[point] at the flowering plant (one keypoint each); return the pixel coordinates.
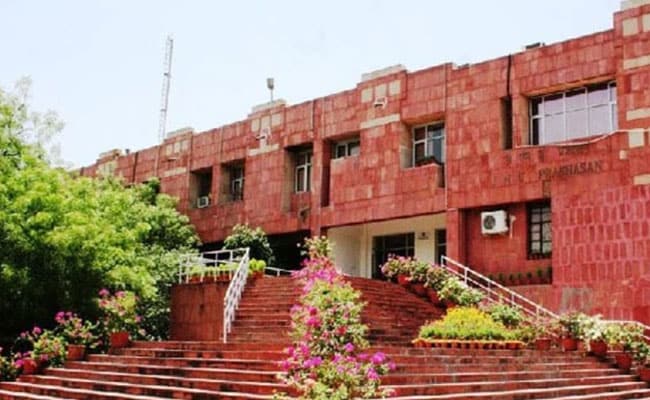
(327, 359)
(120, 312)
(8, 370)
(397, 265)
(75, 330)
(41, 346)
(316, 247)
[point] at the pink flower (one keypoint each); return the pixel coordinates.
(36, 330)
(378, 358)
(104, 292)
(349, 347)
(372, 374)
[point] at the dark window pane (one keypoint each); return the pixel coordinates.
(340, 151)
(535, 106)
(419, 151)
(418, 133)
(354, 148)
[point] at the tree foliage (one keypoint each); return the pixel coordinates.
(245, 236)
(63, 238)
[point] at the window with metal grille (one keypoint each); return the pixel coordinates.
(539, 230)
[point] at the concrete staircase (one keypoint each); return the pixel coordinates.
(247, 366)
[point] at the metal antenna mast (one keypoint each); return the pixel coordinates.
(164, 97)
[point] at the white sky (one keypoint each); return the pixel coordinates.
(99, 63)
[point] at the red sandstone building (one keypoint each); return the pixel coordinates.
(532, 160)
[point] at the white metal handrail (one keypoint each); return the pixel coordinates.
(494, 291)
(499, 293)
(277, 271)
(234, 293)
(210, 263)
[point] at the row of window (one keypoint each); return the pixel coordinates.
(576, 113)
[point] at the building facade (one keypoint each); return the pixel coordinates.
(528, 163)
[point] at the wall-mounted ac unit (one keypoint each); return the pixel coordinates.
(202, 202)
(494, 222)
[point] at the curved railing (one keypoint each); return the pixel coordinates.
(234, 293)
(209, 264)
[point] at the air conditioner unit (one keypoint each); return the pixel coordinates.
(264, 133)
(202, 202)
(494, 222)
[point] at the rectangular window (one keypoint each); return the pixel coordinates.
(236, 173)
(573, 114)
(429, 144)
(402, 244)
(200, 188)
(539, 230)
(346, 148)
(303, 171)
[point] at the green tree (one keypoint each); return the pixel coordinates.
(63, 238)
(244, 236)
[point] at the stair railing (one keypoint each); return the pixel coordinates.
(277, 271)
(209, 263)
(499, 293)
(494, 291)
(234, 292)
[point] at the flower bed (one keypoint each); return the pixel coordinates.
(469, 344)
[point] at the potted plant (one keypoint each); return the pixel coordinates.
(120, 318)
(642, 356)
(624, 337)
(501, 278)
(77, 333)
(256, 268)
(540, 276)
(435, 279)
(549, 274)
(529, 277)
(454, 292)
(595, 335)
(398, 267)
(419, 277)
(572, 330)
(8, 370)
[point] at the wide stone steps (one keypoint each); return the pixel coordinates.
(247, 366)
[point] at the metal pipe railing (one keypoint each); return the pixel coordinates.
(234, 293)
(494, 291)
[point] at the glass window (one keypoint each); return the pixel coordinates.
(429, 144)
(347, 148)
(402, 244)
(539, 230)
(303, 171)
(573, 114)
(236, 182)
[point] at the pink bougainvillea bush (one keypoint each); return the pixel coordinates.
(328, 358)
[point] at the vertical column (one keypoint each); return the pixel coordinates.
(456, 234)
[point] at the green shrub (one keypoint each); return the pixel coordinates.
(436, 277)
(467, 323)
(459, 293)
(509, 316)
(419, 271)
(244, 236)
(256, 266)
